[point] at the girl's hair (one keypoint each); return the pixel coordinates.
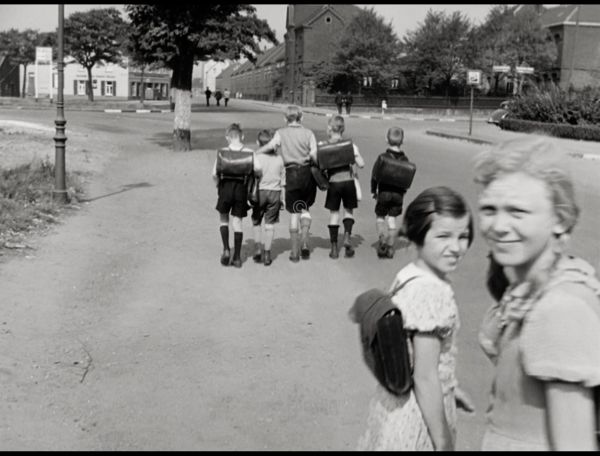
(337, 124)
(434, 200)
(293, 113)
(538, 157)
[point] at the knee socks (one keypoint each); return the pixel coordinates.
(224, 229)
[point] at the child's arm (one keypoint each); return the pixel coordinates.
(313, 147)
(360, 162)
(214, 174)
(373, 178)
(257, 165)
(428, 390)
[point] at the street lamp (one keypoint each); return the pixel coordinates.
(60, 189)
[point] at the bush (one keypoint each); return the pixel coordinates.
(554, 105)
(559, 130)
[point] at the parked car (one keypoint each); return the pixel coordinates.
(499, 114)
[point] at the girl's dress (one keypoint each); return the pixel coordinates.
(396, 423)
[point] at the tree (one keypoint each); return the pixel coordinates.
(182, 34)
(437, 51)
(367, 48)
(20, 46)
(95, 37)
(515, 38)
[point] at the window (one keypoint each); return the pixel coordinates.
(394, 83)
(327, 20)
(94, 84)
(81, 87)
(367, 81)
(110, 88)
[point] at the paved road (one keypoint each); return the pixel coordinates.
(124, 332)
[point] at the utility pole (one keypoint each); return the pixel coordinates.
(60, 189)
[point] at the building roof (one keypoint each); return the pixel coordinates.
(268, 57)
(300, 15)
(567, 14)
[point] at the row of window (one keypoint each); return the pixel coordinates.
(107, 88)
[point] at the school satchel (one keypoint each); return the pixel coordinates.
(335, 155)
(397, 173)
(384, 341)
(234, 164)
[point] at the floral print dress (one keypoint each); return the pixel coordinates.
(396, 423)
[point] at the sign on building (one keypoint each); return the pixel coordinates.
(500, 68)
(473, 77)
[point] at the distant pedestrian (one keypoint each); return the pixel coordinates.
(339, 101)
(349, 101)
(226, 95)
(208, 93)
(218, 96)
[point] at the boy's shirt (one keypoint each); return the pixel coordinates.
(273, 171)
(375, 186)
(256, 163)
(296, 144)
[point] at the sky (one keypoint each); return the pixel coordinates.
(44, 17)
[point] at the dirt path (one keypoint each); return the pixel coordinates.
(121, 331)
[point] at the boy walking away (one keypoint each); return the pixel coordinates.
(231, 172)
(297, 146)
(337, 155)
(392, 175)
(270, 199)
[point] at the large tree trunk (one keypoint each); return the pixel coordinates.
(90, 87)
(181, 82)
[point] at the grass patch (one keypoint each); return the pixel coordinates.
(26, 201)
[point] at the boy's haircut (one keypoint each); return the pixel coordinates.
(234, 130)
(336, 123)
(264, 136)
(434, 200)
(293, 113)
(395, 136)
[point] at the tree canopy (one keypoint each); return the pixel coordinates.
(439, 50)
(93, 37)
(180, 34)
(368, 48)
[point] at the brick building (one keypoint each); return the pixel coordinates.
(311, 34)
(576, 31)
(262, 80)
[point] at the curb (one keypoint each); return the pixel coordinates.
(141, 111)
(452, 136)
(380, 117)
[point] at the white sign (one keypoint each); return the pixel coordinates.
(43, 54)
(500, 68)
(524, 70)
(473, 77)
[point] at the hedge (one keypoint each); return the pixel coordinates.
(584, 132)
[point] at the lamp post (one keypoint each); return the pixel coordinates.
(60, 189)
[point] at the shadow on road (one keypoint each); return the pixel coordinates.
(124, 188)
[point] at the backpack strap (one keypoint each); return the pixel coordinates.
(398, 287)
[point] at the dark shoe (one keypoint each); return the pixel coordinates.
(267, 259)
(305, 251)
(382, 250)
(225, 257)
(294, 258)
(257, 257)
(334, 251)
(349, 253)
(237, 262)
(389, 253)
